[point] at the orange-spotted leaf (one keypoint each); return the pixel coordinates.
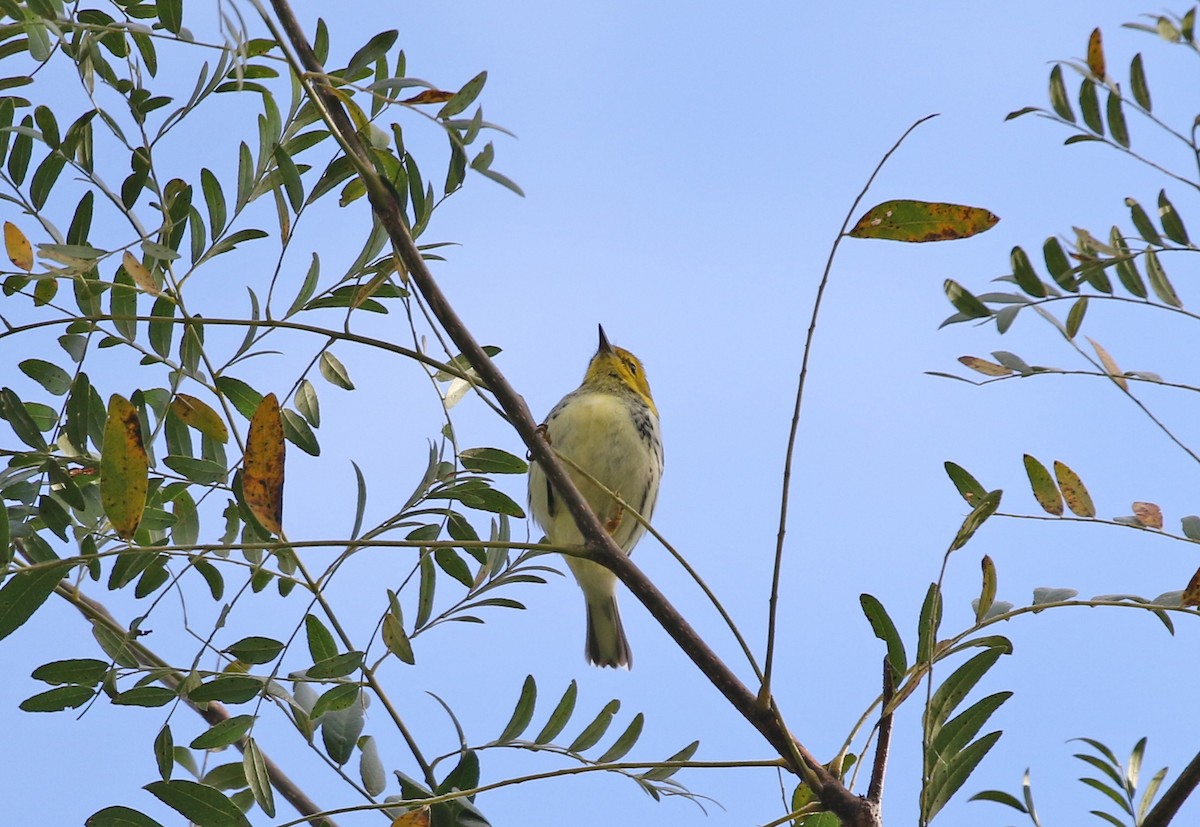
(19, 250)
(984, 366)
(430, 96)
(262, 478)
(414, 818)
(1110, 365)
(140, 275)
(123, 468)
(1095, 54)
(1148, 514)
(1073, 491)
(919, 221)
(1191, 595)
(1044, 489)
(191, 411)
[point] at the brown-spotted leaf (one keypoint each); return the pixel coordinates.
(1148, 514)
(19, 250)
(123, 468)
(1110, 365)
(197, 414)
(984, 366)
(1044, 489)
(1191, 595)
(141, 276)
(1095, 54)
(262, 478)
(430, 96)
(1073, 491)
(919, 221)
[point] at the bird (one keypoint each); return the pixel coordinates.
(608, 426)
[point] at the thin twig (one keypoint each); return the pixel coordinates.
(883, 745)
(773, 605)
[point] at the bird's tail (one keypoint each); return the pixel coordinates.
(606, 641)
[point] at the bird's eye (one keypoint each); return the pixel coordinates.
(632, 366)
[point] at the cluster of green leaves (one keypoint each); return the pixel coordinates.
(147, 492)
(1118, 782)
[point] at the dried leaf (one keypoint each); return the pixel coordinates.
(262, 480)
(1095, 54)
(19, 250)
(1073, 491)
(921, 221)
(984, 366)
(1110, 366)
(140, 275)
(430, 96)
(1191, 595)
(124, 468)
(1148, 514)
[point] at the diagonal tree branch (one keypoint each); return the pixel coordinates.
(853, 810)
(1165, 810)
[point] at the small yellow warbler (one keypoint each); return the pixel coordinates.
(608, 426)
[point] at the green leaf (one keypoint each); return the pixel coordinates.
(254, 765)
(522, 712)
(1116, 120)
(625, 741)
(342, 696)
(594, 731)
(83, 671)
(164, 752)
(1024, 274)
(955, 688)
(968, 487)
(396, 639)
(44, 178)
(170, 14)
(146, 696)
(334, 371)
(987, 590)
(374, 49)
(1075, 316)
(984, 509)
(243, 397)
(464, 97)
(1044, 489)
(320, 641)
(492, 461)
(256, 650)
(426, 590)
(24, 593)
(663, 773)
(1089, 105)
(1058, 95)
(947, 783)
(1172, 224)
(1142, 222)
(119, 817)
(370, 766)
(337, 666)
(223, 733)
(307, 288)
(561, 715)
(299, 433)
(233, 689)
(886, 631)
(464, 776)
(959, 731)
(214, 199)
(58, 699)
(927, 626)
(964, 301)
(17, 414)
(1137, 80)
(203, 805)
(340, 730)
(50, 376)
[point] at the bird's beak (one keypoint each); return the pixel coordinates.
(605, 347)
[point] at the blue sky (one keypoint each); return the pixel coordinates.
(686, 169)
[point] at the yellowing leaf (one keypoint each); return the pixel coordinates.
(140, 275)
(987, 592)
(1110, 366)
(1044, 490)
(1095, 54)
(413, 818)
(919, 221)
(1191, 595)
(1148, 514)
(430, 96)
(123, 468)
(262, 477)
(191, 411)
(984, 366)
(1073, 491)
(19, 250)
